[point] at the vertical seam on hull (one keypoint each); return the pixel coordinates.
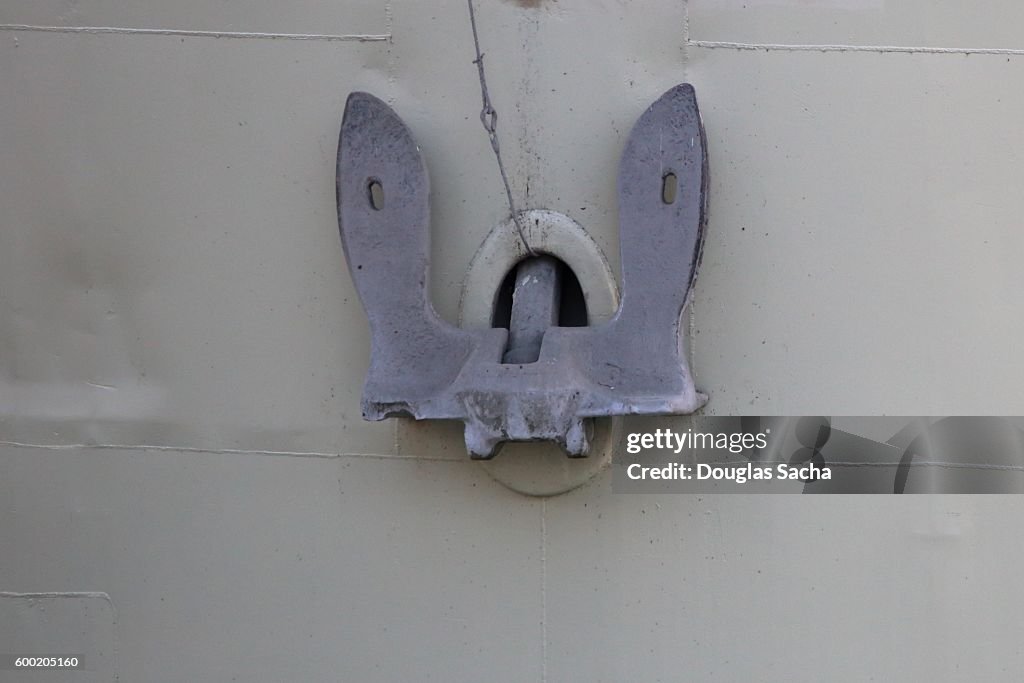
(543, 592)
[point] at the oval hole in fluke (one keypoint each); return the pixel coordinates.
(669, 188)
(375, 193)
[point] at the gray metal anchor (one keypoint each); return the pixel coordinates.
(425, 368)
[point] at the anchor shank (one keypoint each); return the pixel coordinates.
(535, 301)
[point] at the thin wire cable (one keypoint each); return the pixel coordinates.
(489, 119)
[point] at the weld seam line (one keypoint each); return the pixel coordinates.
(221, 451)
(256, 35)
(789, 47)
